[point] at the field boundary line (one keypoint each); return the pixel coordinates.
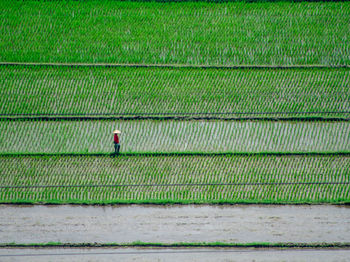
(179, 113)
(336, 202)
(179, 185)
(182, 244)
(180, 118)
(261, 119)
(175, 117)
(162, 154)
(174, 66)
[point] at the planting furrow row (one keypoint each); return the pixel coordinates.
(173, 136)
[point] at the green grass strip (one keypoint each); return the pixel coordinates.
(182, 245)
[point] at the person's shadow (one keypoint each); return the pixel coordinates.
(114, 154)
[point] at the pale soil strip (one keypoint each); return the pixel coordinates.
(125, 224)
(173, 255)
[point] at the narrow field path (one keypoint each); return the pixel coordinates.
(171, 224)
(188, 254)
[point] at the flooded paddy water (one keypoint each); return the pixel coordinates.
(170, 224)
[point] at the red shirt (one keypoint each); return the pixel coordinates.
(116, 139)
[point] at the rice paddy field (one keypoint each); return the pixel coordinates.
(232, 102)
(183, 81)
(195, 33)
(157, 136)
(176, 179)
(223, 86)
(131, 91)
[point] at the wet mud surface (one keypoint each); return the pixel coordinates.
(169, 224)
(134, 254)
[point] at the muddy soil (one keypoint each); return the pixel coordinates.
(122, 224)
(173, 255)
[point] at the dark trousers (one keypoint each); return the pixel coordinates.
(116, 148)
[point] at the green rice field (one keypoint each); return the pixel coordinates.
(232, 102)
(263, 33)
(151, 91)
(175, 179)
(174, 136)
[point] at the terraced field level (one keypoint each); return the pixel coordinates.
(31, 90)
(274, 33)
(175, 179)
(174, 136)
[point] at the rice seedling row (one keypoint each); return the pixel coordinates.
(173, 136)
(150, 91)
(280, 33)
(314, 179)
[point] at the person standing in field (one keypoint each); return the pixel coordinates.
(116, 141)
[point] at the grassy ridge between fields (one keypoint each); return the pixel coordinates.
(264, 33)
(63, 91)
(174, 117)
(171, 179)
(170, 66)
(180, 245)
(155, 154)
